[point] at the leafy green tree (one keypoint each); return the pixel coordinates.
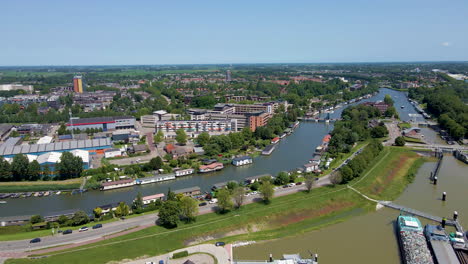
(346, 173)
(388, 100)
(97, 212)
(79, 218)
(181, 137)
(203, 138)
(224, 200)
(138, 202)
(282, 178)
(156, 163)
(5, 170)
(122, 210)
(188, 208)
(46, 173)
(20, 167)
(169, 214)
(379, 132)
(231, 185)
(69, 166)
(309, 182)
(238, 194)
(335, 178)
(171, 196)
(267, 191)
(62, 129)
(158, 137)
(400, 141)
(34, 171)
(62, 220)
(36, 219)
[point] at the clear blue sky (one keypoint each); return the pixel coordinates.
(104, 32)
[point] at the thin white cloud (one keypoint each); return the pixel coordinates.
(446, 44)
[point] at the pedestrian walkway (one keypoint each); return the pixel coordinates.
(222, 254)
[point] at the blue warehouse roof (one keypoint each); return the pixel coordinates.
(57, 146)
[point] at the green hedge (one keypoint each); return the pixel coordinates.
(181, 254)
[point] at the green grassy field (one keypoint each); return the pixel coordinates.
(35, 186)
(23, 232)
(388, 177)
(285, 216)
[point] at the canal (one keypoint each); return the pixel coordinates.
(292, 152)
(371, 238)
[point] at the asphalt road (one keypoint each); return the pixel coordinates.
(114, 227)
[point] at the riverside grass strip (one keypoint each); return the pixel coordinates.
(157, 240)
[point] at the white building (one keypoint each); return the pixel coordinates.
(194, 127)
(310, 167)
(240, 161)
(110, 153)
(11, 87)
(152, 198)
(179, 173)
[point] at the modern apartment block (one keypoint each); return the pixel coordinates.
(247, 115)
(194, 127)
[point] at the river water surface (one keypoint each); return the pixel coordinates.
(370, 238)
(292, 152)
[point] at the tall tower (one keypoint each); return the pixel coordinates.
(228, 76)
(78, 84)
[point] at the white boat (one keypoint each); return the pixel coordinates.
(2, 202)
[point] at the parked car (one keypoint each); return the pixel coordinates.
(292, 184)
(220, 244)
(213, 201)
(96, 226)
(68, 231)
(202, 204)
(82, 229)
(35, 240)
(161, 262)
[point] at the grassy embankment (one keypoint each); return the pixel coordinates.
(9, 233)
(285, 216)
(414, 140)
(36, 186)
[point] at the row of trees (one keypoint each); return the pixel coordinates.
(359, 163)
(446, 101)
(355, 127)
(21, 169)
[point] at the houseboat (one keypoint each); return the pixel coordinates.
(152, 198)
(275, 140)
(117, 184)
(268, 149)
(192, 191)
(252, 179)
(157, 178)
(180, 173)
(240, 161)
(211, 167)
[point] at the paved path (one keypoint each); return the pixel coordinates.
(222, 254)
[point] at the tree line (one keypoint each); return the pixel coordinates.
(20, 169)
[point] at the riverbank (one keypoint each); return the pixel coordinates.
(285, 216)
(37, 186)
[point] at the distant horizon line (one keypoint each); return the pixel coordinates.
(240, 63)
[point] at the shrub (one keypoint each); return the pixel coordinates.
(181, 254)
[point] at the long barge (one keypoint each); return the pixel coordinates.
(439, 243)
(413, 246)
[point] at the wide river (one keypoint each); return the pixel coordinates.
(370, 238)
(292, 152)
